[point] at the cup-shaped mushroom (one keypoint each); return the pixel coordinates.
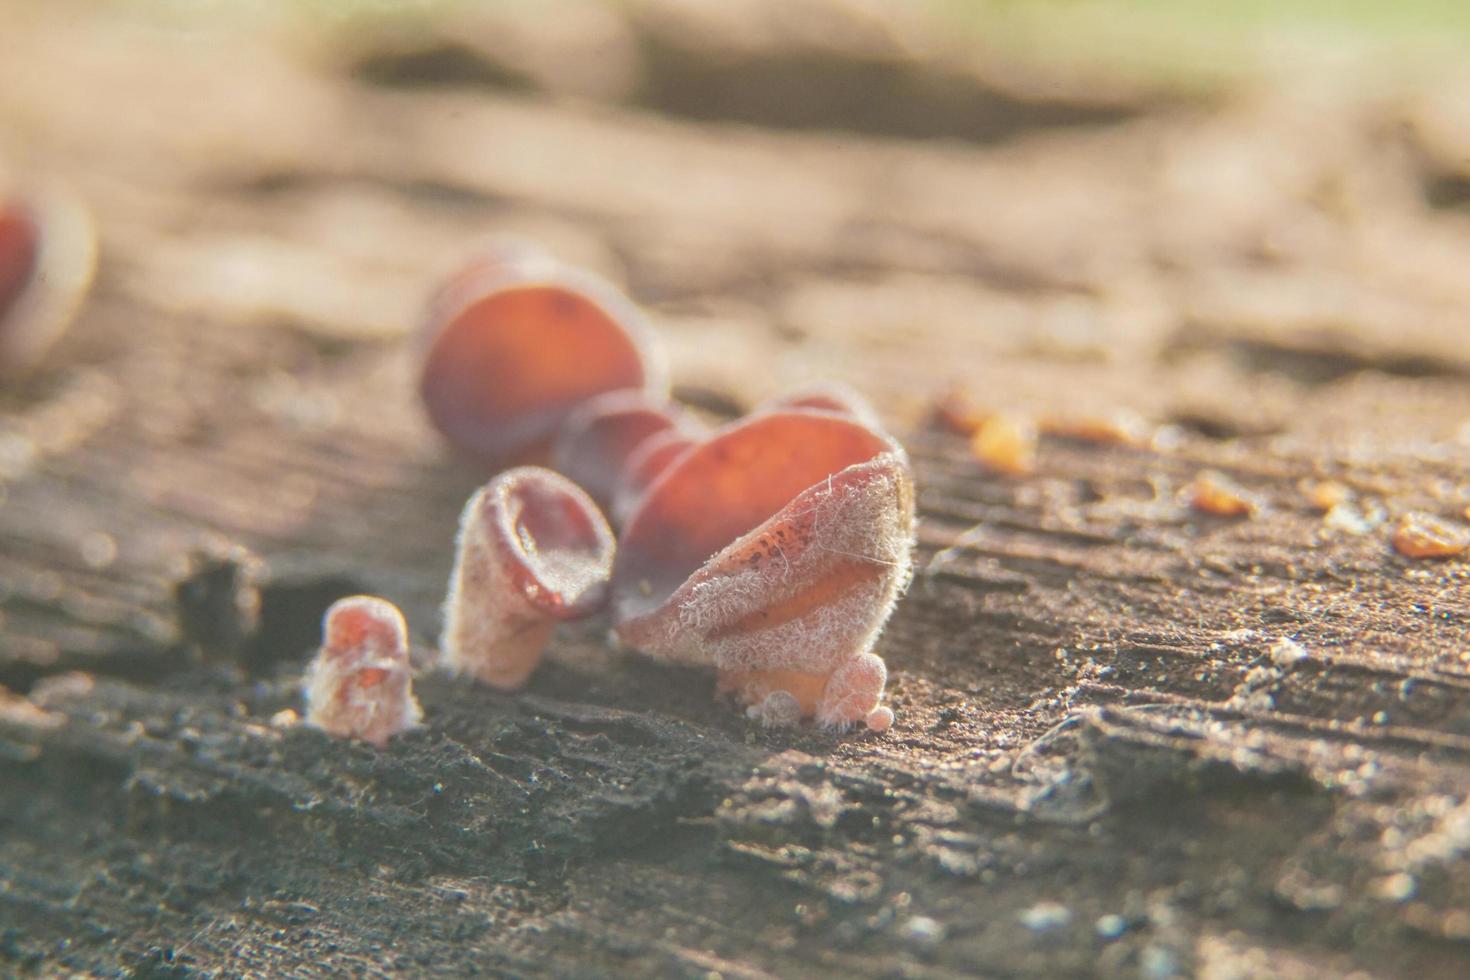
(533, 551)
(493, 261)
(774, 551)
(599, 438)
(654, 455)
(47, 255)
(828, 396)
(361, 685)
(509, 353)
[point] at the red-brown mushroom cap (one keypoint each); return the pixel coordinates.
(599, 438)
(364, 628)
(503, 369)
(780, 542)
(493, 261)
(554, 546)
(654, 455)
(47, 255)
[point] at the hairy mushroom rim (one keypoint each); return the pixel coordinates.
(778, 545)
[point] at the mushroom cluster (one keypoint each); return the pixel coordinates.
(772, 549)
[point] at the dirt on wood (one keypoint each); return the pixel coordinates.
(1133, 738)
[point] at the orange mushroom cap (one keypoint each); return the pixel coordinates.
(652, 456)
(494, 260)
(598, 439)
(512, 349)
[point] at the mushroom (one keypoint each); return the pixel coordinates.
(47, 256)
(774, 551)
(654, 455)
(514, 342)
(360, 685)
(533, 550)
(493, 260)
(598, 439)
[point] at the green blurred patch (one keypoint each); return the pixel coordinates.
(1178, 41)
(1211, 38)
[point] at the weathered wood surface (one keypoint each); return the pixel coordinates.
(1089, 712)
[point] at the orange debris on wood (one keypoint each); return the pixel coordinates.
(1324, 495)
(1425, 536)
(18, 710)
(1005, 444)
(1122, 428)
(1213, 492)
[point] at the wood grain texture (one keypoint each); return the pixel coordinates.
(1090, 715)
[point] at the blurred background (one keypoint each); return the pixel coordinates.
(1084, 181)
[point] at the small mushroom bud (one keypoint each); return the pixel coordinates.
(47, 255)
(654, 455)
(774, 551)
(533, 550)
(598, 439)
(360, 685)
(515, 343)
